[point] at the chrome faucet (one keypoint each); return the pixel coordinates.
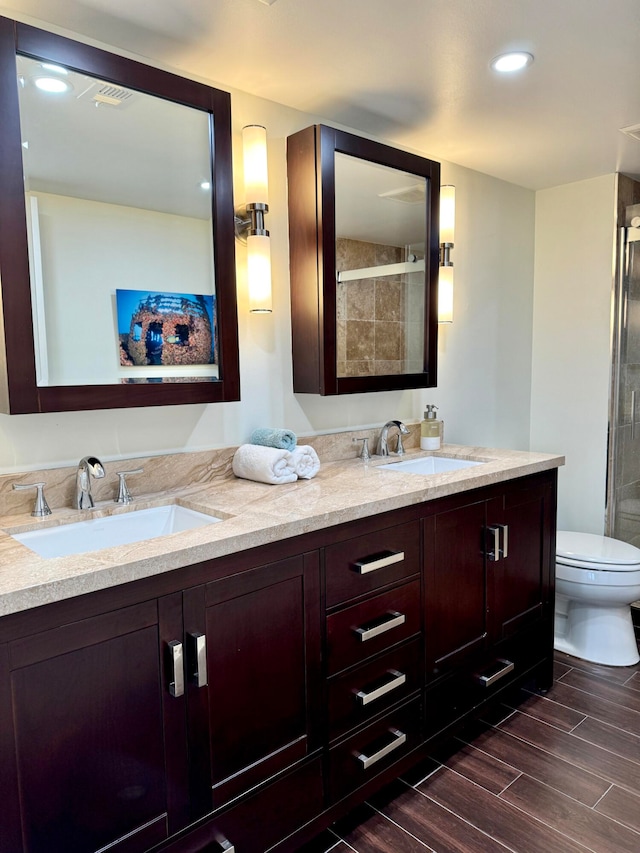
(383, 441)
(88, 467)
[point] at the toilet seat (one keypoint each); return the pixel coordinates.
(588, 551)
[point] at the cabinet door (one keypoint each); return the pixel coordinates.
(262, 630)
(89, 711)
(519, 584)
(455, 619)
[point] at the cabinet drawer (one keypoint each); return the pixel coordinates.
(358, 566)
(373, 749)
(259, 822)
(372, 626)
(362, 693)
(476, 684)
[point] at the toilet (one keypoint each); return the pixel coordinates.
(597, 578)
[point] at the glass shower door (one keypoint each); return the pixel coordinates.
(623, 505)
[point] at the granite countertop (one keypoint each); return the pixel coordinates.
(253, 514)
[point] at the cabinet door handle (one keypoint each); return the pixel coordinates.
(378, 561)
(492, 548)
(380, 626)
(394, 680)
(501, 668)
(197, 656)
(176, 668)
(504, 549)
(398, 738)
(633, 415)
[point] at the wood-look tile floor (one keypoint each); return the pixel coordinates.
(538, 775)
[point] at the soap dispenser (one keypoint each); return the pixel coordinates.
(430, 429)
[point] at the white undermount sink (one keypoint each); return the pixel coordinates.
(111, 530)
(431, 465)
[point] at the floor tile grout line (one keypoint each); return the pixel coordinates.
(586, 717)
(602, 797)
(430, 773)
(500, 793)
(560, 758)
(609, 684)
(340, 840)
(400, 826)
(573, 733)
(577, 737)
(464, 819)
(528, 814)
(592, 716)
(528, 775)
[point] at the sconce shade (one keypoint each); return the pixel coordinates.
(256, 180)
(447, 214)
(445, 295)
(259, 273)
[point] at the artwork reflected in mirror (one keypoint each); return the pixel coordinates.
(163, 337)
(118, 198)
(380, 268)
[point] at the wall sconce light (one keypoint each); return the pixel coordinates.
(445, 277)
(249, 220)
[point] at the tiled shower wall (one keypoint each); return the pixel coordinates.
(379, 320)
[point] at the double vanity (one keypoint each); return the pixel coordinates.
(241, 684)
(222, 665)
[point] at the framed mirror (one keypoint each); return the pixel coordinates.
(363, 236)
(116, 231)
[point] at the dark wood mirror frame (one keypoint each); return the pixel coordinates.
(19, 393)
(312, 246)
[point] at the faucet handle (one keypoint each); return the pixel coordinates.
(124, 495)
(364, 453)
(41, 507)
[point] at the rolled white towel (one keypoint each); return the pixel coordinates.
(264, 464)
(305, 461)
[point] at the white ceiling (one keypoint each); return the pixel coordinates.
(413, 72)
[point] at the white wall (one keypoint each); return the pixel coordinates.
(484, 371)
(90, 249)
(571, 331)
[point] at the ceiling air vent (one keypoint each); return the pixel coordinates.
(407, 195)
(633, 131)
(110, 95)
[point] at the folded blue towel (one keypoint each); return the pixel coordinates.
(283, 439)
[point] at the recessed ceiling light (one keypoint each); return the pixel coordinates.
(53, 85)
(205, 185)
(513, 61)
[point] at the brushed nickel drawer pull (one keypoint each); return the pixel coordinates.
(385, 623)
(504, 550)
(398, 739)
(176, 669)
(197, 651)
(378, 561)
(493, 543)
(395, 679)
(501, 668)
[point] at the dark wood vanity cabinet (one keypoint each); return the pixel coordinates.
(257, 697)
(489, 594)
(134, 723)
(95, 734)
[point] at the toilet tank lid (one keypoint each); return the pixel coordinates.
(591, 548)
